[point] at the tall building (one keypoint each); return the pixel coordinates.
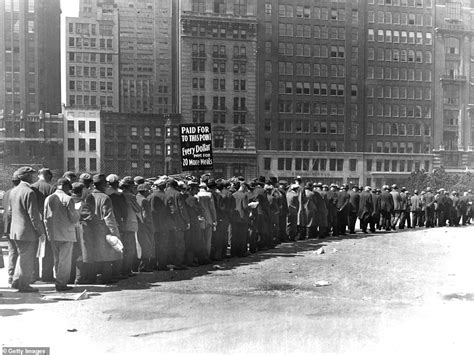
(30, 56)
(217, 78)
(454, 104)
(92, 57)
(120, 56)
(345, 89)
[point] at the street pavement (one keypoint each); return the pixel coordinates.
(403, 292)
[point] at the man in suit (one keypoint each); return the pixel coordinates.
(179, 220)
(375, 216)
(26, 229)
(146, 230)
(331, 198)
(342, 209)
(353, 209)
(386, 207)
(416, 209)
(293, 208)
(206, 201)
(43, 189)
(12, 250)
(365, 208)
(240, 221)
(60, 218)
(397, 205)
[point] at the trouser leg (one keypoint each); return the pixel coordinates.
(62, 255)
(23, 274)
(129, 251)
(12, 259)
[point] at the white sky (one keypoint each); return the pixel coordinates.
(69, 8)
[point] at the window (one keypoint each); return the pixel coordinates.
(240, 7)
(70, 126)
(82, 144)
(70, 144)
(82, 126)
(92, 145)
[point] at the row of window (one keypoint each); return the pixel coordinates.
(405, 3)
(397, 18)
(221, 32)
(402, 111)
(91, 100)
(86, 42)
(237, 141)
(318, 50)
(199, 49)
(81, 166)
(81, 144)
(81, 126)
(104, 86)
(308, 31)
(397, 165)
(395, 92)
(90, 29)
(298, 126)
(90, 72)
(146, 150)
(89, 57)
(307, 164)
(399, 147)
(218, 66)
(199, 102)
(402, 74)
(15, 6)
(219, 84)
(398, 129)
(318, 89)
(239, 6)
(136, 131)
(221, 117)
(404, 37)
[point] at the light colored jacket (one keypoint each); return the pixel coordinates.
(60, 217)
(209, 209)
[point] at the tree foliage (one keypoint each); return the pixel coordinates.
(439, 178)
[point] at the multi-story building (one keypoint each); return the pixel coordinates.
(146, 56)
(92, 57)
(30, 56)
(454, 104)
(30, 139)
(82, 137)
(217, 78)
(120, 56)
(140, 144)
(345, 89)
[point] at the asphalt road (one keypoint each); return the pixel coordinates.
(407, 292)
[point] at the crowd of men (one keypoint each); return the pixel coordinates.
(101, 229)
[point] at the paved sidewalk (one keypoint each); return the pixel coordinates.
(399, 292)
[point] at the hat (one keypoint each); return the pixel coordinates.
(160, 182)
(261, 179)
(273, 179)
(142, 187)
(202, 185)
(127, 181)
(193, 183)
(112, 178)
(25, 170)
(211, 183)
(294, 186)
(44, 171)
(403, 189)
(309, 185)
(138, 180)
(283, 182)
(85, 177)
(416, 192)
(394, 186)
(69, 175)
(98, 178)
(77, 187)
(182, 184)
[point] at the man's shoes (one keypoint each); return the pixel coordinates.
(28, 289)
(14, 285)
(63, 288)
(163, 268)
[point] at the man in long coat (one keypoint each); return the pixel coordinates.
(146, 230)
(386, 207)
(321, 212)
(365, 208)
(179, 221)
(209, 222)
(162, 223)
(43, 188)
(353, 208)
(12, 250)
(311, 212)
(416, 209)
(99, 218)
(293, 208)
(240, 221)
(342, 205)
(26, 229)
(60, 218)
(331, 198)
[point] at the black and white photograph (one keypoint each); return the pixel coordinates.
(236, 176)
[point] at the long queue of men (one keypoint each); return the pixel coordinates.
(101, 229)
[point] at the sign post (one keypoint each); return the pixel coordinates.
(196, 146)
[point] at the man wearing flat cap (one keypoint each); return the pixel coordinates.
(146, 230)
(12, 249)
(26, 229)
(86, 180)
(43, 189)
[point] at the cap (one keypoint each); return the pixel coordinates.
(268, 187)
(97, 178)
(112, 178)
(283, 182)
(142, 187)
(69, 175)
(294, 186)
(202, 185)
(127, 181)
(85, 177)
(160, 182)
(211, 183)
(77, 187)
(193, 183)
(138, 180)
(309, 185)
(25, 170)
